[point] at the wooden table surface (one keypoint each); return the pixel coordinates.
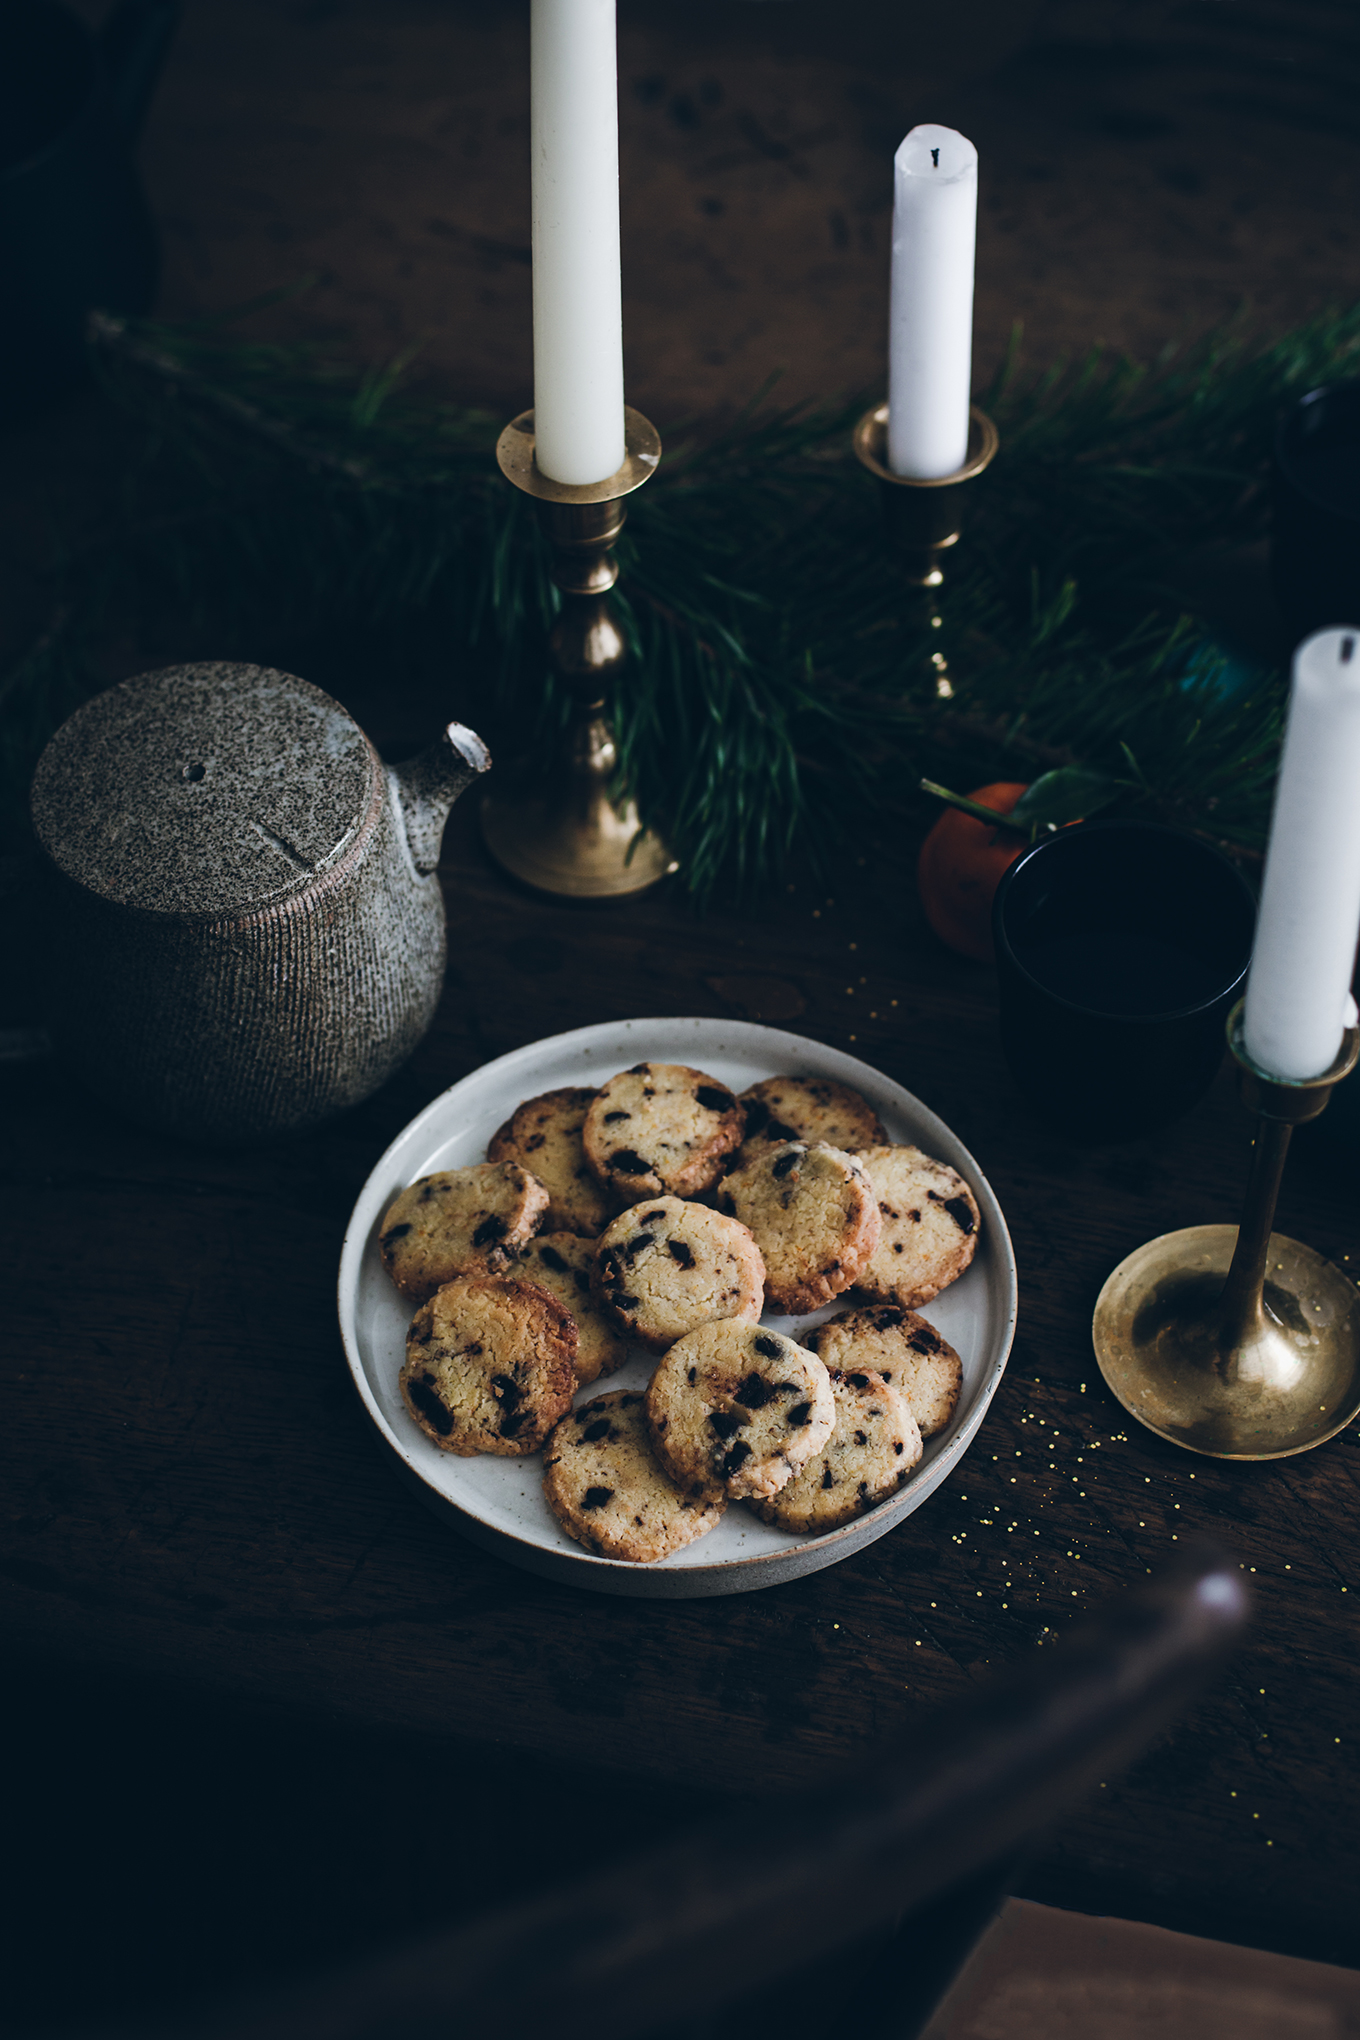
(195, 1500)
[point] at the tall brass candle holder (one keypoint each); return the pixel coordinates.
(924, 519)
(1232, 1340)
(558, 829)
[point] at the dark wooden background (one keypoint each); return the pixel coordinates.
(267, 1708)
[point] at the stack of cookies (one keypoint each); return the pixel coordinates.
(662, 1212)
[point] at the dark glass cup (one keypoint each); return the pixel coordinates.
(1315, 539)
(1121, 948)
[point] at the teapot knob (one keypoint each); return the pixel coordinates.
(427, 785)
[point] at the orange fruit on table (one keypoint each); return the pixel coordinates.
(961, 865)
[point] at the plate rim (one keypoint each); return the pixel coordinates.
(852, 1069)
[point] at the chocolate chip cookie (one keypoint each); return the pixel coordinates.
(665, 1266)
(929, 1225)
(867, 1458)
(736, 1409)
(809, 1109)
(910, 1354)
(459, 1222)
(602, 1482)
(561, 1263)
(661, 1129)
(544, 1136)
(814, 1217)
(489, 1366)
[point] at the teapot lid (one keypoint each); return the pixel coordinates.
(206, 789)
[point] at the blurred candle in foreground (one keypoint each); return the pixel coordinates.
(930, 330)
(1298, 993)
(578, 315)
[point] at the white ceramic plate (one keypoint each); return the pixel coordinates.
(498, 1502)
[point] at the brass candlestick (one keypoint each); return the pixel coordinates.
(923, 519)
(1232, 1340)
(559, 830)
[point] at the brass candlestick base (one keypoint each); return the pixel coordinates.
(559, 831)
(1232, 1340)
(922, 520)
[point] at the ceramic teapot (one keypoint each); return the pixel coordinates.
(246, 931)
(75, 231)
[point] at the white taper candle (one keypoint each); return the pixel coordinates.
(930, 333)
(1298, 993)
(578, 313)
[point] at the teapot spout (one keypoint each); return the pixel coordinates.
(427, 786)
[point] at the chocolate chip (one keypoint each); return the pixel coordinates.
(693, 1376)
(506, 1389)
(637, 1243)
(511, 1424)
(827, 1481)
(550, 1258)
(427, 1193)
(621, 1301)
(596, 1497)
(754, 1392)
(915, 1218)
(769, 1348)
(535, 1141)
(650, 1217)
(396, 1232)
(629, 1162)
(924, 1341)
(638, 1070)
(737, 1457)
(714, 1100)
(798, 1415)
(491, 1228)
(724, 1423)
(610, 1117)
(858, 1380)
(961, 1213)
(679, 1251)
(861, 1437)
(430, 1406)
(864, 1487)
(601, 1428)
(897, 1246)
(887, 1314)
(776, 1130)
(785, 1163)
(899, 1448)
(886, 1209)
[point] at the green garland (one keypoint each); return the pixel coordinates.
(781, 670)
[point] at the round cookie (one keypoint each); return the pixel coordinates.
(868, 1457)
(736, 1409)
(489, 1366)
(930, 1225)
(909, 1354)
(810, 1109)
(561, 1263)
(602, 1482)
(814, 1218)
(544, 1136)
(665, 1266)
(459, 1222)
(661, 1129)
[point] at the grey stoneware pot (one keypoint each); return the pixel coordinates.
(246, 930)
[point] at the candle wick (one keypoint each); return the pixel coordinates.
(1347, 650)
(935, 158)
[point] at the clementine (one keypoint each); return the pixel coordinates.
(960, 867)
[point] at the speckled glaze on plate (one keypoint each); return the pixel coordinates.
(498, 1502)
